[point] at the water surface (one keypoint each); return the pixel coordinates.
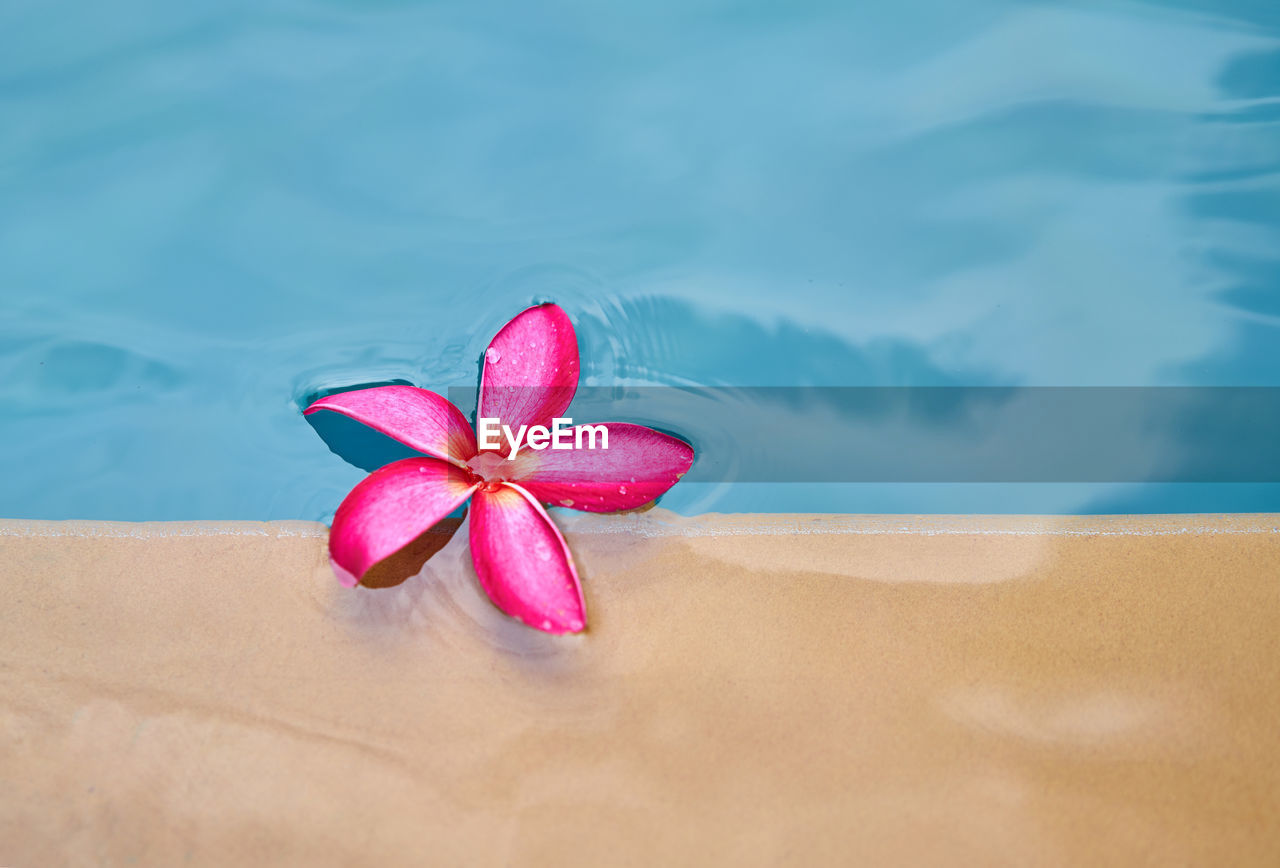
(212, 210)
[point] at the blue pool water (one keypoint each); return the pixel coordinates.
(210, 211)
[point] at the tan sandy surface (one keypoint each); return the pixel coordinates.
(803, 690)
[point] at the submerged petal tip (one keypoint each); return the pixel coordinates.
(392, 507)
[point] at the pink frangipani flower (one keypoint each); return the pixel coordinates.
(529, 377)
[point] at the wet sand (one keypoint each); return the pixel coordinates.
(758, 689)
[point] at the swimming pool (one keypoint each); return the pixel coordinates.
(213, 211)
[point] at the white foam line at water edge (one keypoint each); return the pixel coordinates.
(909, 531)
(712, 525)
(161, 529)
(870, 525)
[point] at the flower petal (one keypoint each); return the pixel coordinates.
(418, 418)
(639, 465)
(391, 507)
(522, 560)
(530, 369)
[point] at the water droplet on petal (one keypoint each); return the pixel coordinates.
(566, 502)
(492, 356)
(622, 489)
(546, 624)
(575, 625)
